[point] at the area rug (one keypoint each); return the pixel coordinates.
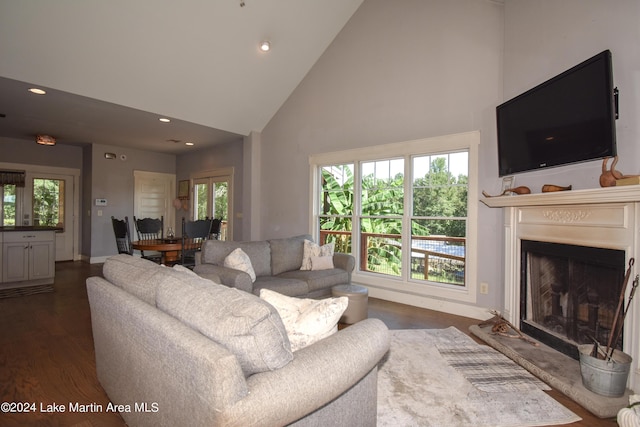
(26, 290)
(418, 387)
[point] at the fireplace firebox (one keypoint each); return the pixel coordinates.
(569, 293)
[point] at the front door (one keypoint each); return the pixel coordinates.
(153, 197)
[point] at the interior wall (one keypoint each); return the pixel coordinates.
(546, 37)
(398, 71)
(112, 179)
(218, 157)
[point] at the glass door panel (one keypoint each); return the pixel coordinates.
(48, 202)
(8, 205)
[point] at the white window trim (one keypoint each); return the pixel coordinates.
(386, 285)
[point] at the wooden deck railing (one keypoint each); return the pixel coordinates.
(428, 254)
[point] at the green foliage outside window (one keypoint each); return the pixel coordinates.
(8, 205)
(48, 202)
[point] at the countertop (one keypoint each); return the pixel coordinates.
(29, 228)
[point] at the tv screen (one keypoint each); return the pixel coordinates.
(567, 119)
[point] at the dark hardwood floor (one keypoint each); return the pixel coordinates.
(47, 358)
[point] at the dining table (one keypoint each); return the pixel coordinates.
(169, 248)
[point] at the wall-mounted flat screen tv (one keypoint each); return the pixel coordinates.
(567, 119)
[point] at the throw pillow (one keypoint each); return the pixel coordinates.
(239, 260)
(321, 262)
(306, 320)
(312, 249)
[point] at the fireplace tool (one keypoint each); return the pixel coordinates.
(614, 328)
(634, 286)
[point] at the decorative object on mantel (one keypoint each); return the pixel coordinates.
(517, 190)
(611, 177)
(550, 188)
(502, 326)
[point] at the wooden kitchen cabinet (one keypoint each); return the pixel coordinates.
(29, 257)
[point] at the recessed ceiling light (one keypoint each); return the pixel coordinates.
(265, 46)
(37, 91)
(189, 143)
(164, 120)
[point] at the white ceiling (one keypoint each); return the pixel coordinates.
(112, 68)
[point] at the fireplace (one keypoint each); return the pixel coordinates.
(606, 219)
(569, 293)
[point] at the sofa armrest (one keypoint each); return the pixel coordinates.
(344, 261)
(318, 374)
(227, 276)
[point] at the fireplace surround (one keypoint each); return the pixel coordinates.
(606, 218)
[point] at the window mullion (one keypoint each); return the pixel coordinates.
(406, 220)
(357, 213)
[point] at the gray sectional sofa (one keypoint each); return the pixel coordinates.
(277, 265)
(178, 350)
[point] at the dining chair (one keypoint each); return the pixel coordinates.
(150, 229)
(193, 232)
(122, 234)
(215, 228)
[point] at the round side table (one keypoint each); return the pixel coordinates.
(358, 299)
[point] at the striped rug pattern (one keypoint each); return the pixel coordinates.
(489, 370)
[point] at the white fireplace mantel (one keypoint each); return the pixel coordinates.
(601, 217)
(627, 193)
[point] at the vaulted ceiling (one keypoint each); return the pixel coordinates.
(111, 69)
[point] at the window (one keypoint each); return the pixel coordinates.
(381, 213)
(403, 212)
(439, 217)
(48, 202)
(336, 216)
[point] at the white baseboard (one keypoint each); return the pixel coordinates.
(451, 307)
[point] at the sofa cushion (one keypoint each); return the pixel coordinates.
(286, 254)
(285, 286)
(241, 322)
(259, 252)
(312, 249)
(307, 320)
(137, 276)
(318, 279)
(238, 260)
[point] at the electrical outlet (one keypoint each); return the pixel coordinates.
(484, 288)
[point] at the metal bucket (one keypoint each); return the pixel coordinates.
(606, 378)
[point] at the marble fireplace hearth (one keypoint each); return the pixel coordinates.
(554, 368)
(598, 218)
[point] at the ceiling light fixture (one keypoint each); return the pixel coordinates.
(265, 46)
(164, 120)
(189, 143)
(37, 91)
(45, 140)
